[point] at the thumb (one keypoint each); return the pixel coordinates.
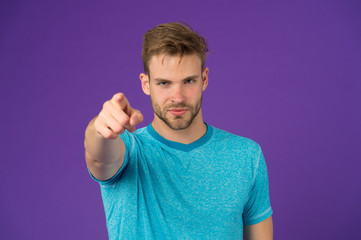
(136, 117)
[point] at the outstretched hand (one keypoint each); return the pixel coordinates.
(117, 116)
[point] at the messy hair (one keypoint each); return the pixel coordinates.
(172, 39)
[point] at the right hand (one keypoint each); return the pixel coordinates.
(117, 116)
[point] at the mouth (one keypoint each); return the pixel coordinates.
(178, 111)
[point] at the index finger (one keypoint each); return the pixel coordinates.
(122, 101)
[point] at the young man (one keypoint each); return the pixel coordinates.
(177, 178)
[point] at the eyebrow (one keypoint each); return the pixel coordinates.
(166, 80)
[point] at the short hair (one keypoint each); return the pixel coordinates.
(172, 39)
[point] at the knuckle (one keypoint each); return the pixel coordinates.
(118, 129)
(106, 105)
(124, 121)
(100, 119)
(98, 122)
(108, 134)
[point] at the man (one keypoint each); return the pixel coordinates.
(177, 178)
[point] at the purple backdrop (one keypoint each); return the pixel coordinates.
(284, 73)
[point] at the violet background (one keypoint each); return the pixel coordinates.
(283, 73)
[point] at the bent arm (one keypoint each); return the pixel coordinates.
(259, 231)
(103, 156)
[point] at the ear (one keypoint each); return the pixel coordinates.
(205, 78)
(145, 83)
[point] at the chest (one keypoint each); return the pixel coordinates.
(202, 182)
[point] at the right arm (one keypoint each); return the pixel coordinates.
(104, 149)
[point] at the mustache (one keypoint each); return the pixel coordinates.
(178, 105)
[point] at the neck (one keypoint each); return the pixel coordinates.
(194, 132)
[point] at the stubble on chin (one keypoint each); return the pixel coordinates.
(178, 122)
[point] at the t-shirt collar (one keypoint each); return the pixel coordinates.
(182, 146)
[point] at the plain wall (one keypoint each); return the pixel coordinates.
(283, 73)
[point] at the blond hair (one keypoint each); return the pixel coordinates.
(172, 39)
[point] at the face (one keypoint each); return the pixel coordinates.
(175, 86)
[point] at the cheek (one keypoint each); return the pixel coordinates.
(159, 96)
(195, 93)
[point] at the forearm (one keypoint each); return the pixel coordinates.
(259, 231)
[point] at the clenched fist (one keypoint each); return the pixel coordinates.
(117, 116)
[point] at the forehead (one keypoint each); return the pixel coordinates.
(174, 67)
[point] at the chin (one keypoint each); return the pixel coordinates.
(178, 124)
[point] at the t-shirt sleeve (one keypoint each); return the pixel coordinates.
(126, 139)
(258, 207)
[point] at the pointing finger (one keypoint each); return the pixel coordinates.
(122, 101)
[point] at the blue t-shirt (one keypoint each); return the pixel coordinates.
(207, 189)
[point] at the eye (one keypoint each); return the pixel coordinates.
(189, 81)
(164, 83)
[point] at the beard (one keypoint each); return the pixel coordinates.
(177, 122)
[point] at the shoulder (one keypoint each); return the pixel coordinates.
(242, 152)
(235, 141)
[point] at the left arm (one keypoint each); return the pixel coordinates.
(259, 231)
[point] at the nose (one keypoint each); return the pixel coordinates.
(178, 94)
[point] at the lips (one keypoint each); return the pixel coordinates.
(178, 111)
